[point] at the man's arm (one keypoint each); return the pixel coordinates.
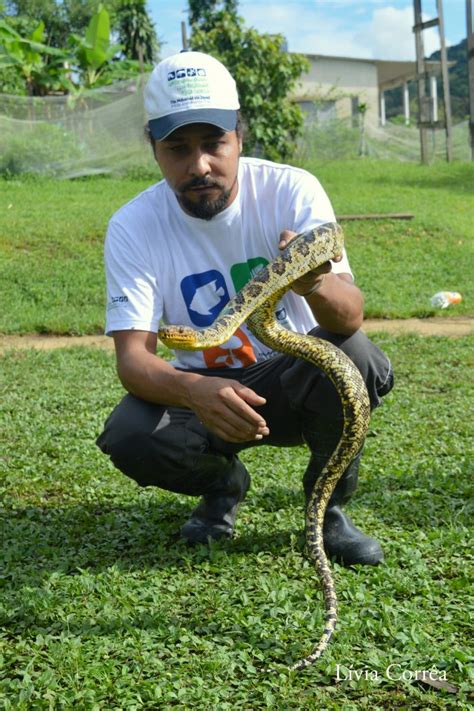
(223, 405)
(336, 302)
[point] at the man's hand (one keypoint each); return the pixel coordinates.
(336, 302)
(224, 407)
(310, 282)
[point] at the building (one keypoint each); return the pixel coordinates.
(335, 87)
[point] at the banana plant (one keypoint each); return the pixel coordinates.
(27, 55)
(95, 49)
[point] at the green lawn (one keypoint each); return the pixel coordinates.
(51, 236)
(103, 607)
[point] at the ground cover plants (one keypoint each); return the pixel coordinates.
(103, 607)
(51, 237)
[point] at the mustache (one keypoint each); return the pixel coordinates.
(199, 183)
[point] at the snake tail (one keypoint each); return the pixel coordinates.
(355, 403)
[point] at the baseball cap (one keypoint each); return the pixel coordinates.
(190, 87)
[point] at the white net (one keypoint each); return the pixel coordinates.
(340, 139)
(95, 131)
(101, 131)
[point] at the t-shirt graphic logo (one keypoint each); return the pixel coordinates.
(205, 295)
(242, 272)
(236, 353)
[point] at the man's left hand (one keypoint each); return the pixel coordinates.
(310, 282)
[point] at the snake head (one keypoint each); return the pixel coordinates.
(182, 337)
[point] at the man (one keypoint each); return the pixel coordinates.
(177, 252)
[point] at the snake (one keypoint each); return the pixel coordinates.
(255, 304)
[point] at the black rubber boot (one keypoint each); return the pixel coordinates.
(343, 542)
(215, 515)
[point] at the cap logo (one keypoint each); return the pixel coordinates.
(189, 72)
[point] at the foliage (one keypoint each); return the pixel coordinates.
(121, 69)
(103, 607)
(136, 32)
(95, 49)
(265, 74)
(60, 17)
(201, 11)
(11, 81)
(458, 86)
(51, 241)
(26, 55)
(458, 79)
(64, 24)
(38, 149)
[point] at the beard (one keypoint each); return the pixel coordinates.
(204, 208)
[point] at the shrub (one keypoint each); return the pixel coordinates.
(40, 149)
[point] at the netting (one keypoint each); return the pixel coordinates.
(341, 139)
(94, 131)
(101, 131)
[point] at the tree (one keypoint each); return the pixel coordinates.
(265, 75)
(95, 49)
(136, 32)
(201, 11)
(458, 80)
(60, 17)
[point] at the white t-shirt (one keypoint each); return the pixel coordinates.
(165, 265)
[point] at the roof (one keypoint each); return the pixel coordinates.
(390, 73)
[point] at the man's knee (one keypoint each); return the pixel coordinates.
(151, 444)
(373, 364)
(371, 361)
(309, 389)
(162, 446)
(149, 462)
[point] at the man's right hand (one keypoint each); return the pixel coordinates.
(224, 406)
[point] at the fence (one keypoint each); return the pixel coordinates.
(101, 131)
(93, 131)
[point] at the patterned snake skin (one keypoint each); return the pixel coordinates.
(256, 304)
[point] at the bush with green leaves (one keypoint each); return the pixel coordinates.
(38, 150)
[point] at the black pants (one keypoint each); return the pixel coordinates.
(170, 448)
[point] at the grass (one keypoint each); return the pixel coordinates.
(103, 607)
(51, 236)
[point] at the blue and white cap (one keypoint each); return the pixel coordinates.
(190, 87)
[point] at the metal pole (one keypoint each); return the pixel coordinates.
(470, 64)
(406, 103)
(434, 98)
(383, 115)
(420, 71)
(446, 93)
(184, 37)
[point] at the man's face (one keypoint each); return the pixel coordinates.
(200, 164)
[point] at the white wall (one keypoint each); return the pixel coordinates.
(341, 79)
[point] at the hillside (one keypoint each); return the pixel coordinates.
(458, 81)
(458, 84)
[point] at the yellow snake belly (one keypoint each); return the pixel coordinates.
(255, 304)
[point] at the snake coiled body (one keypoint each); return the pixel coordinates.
(255, 304)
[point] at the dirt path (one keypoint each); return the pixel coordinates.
(453, 327)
